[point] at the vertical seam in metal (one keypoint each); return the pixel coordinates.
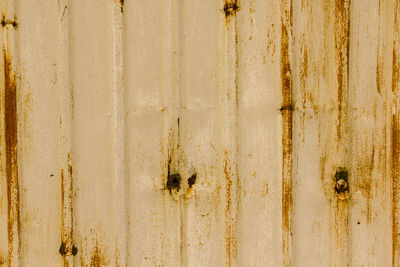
(231, 7)
(11, 136)
(67, 248)
(339, 202)
(395, 138)
(286, 109)
(120, 187)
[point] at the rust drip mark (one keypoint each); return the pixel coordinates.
(230, 8)
(396, 50)
(286, 110)
(67, 247)
(395, 70)
(342, 26)
(395, 172)
(11, 138)
(379, 71)
(230, 223)
(304, 72)
(69, 165)
(97, 259)
(122, 2)
(192, 180)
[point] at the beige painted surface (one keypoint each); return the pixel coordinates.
(200, 133)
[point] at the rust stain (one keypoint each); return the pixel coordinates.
(97, 258)
(342, 26)
(230, 223)
(395, 70)
(69, 164)
(192, 180)
(26, 114)
(286, 110)
(67, 247)
(11, 138)
(230, 8)
(122, 2)
(251, 11)
(395, 172)
(379, 70)
(396, 51)
(395, 139)
(304, 66)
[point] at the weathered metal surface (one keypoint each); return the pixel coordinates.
(200, 133)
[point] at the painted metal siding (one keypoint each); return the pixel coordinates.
(200, 133)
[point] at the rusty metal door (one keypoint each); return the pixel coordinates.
(200, 133)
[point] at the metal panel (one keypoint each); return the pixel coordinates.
(200, 133)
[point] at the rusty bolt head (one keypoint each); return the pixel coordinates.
(341, 185)
(174, 182)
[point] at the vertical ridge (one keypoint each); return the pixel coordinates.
(286, 109)
(120, 182)
(67, 249)
(395, 139)
(11, 133)
(230, 105)
(172, 197)
(339, 202)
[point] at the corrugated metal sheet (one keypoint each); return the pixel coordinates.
(200, 133)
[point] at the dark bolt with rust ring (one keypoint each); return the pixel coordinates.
(174, 181)
(341, 184)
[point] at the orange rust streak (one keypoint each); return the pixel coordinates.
(286, 134)
(11, 154)
(230, 232)
(342, 26)
(396, 187)
(395, 136)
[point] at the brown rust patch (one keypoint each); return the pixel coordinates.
(230, 223)
(11, 148)
(230, 8)
(192, 180)
(342, 26)
(97, 259)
